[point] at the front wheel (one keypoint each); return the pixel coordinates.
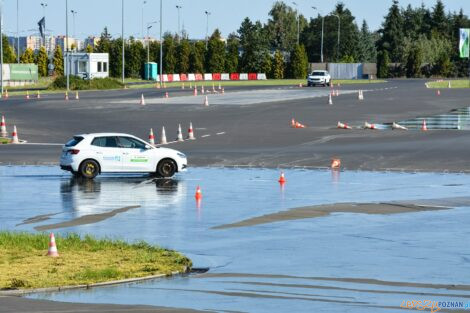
(89, 169)
(166, 168)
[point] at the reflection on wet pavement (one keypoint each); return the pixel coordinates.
(344, 261)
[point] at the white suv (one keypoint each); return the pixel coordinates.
(91, 154)
(319, 78)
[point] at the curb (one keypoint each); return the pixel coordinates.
(22, 292)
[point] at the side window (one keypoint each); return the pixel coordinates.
(99, 67)
(111, 142)
(99, 142)
(131, 143)
(105, 67)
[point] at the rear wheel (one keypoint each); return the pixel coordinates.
(166, 168)
(89, 169)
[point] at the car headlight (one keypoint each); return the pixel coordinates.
(181, 155)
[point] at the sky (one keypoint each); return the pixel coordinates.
(93, 15)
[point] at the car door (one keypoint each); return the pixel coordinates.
(135, 155)
(108, 153)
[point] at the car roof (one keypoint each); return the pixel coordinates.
(103, 135)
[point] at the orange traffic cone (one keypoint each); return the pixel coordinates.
(6, 94)
(77, 97)
(223, 90)
(343, 126)
(142, 100)
(398, 126)
(3, 127)
(191, 132)
(202, 89)
(27, 94)
(335, 163)
(167, 95)
(330, 100)
(38, 95)
(66, 96)
(292, 123)
(182, 86)
(300, 85)
(220, 87)
(282, 179)
(180, 134)
(424, 127)
(369, 126)
(298, 125)
(195, 91)
(206, 102)
(438, 93)
(52, 247)
(151, 137)
(163, 138)
(14, 136)
(198, 194)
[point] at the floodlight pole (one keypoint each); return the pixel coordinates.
(1, 47)
(67, 63)
(161, 43)
(122, 36)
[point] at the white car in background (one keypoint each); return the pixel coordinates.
(319, 78)
(88, 155)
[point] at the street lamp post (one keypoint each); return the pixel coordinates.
(149, 25)
(322, 32)
(44, 5)
(339, 30)
(298, 21)
(179, 7)
(1, 47)
(73, 16)
(17, 32)
(143, 4)
(207, 26)
(122, 36)
(67, 65)
(161, 43)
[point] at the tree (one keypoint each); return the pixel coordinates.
(89, 49)
(367, 51)
(196, 57)
(254, 43)
(27, 57)
(58, 61)
(42, 61)
(267, 64)
(135, 56)
(383, 63)
(282, 26)
(439, 21)
(414, 62)
(115, 57)
(443, 66)
(9, 55)
(104, 44)
(215, 57)
(169, 54)
(392, 33)
(232, 54)
(183, 53)
(350, 36)
(298, 64)
(278, 67)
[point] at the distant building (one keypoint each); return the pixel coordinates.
(61, 41)
(92, 41)
(33, 42)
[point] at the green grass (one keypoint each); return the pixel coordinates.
(82, 260)
(269, 82)
(460, 83)
(4, 141)
(43, 82)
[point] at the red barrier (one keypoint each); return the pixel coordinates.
(199, 77)
(252, 76)
(216, 76)
(235, 76)
(183, 77)
(170, 77)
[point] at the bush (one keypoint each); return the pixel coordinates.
(77, 83)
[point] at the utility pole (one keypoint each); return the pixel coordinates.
(161, 43)
(1, 47)
(149, 25)
(17, 32)
(179, 7)
(67, 63)
(207, 27)
(122, 36)
(298, 21)
(322, 32)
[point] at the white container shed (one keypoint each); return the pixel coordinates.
(89, 65)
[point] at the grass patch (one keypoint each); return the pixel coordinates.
(83, 260)
(269, 82)
(4, 141)
(460, 83)
(43, 82)
(77, 83)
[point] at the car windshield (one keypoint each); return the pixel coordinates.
(128, 142)
(74, 141)
(318, 74)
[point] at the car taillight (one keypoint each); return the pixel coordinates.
(74, 151)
